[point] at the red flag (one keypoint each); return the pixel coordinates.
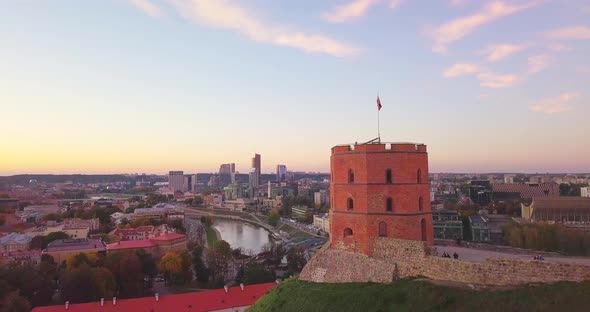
(378, 103)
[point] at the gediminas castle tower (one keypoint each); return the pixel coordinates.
(379, 190)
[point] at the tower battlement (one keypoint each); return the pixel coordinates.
(380, 147)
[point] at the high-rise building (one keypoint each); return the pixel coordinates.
(227, 174)
(379, 190)
(256, 165)
(281, 173)
(176, 181)
(254, 178)
(188, 183)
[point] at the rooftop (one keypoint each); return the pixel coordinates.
(561, 203)
(75, 244)
(130, 244)
(211, 300)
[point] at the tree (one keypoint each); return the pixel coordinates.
(75, 261)
(148, 264)
(198, 201)
(53, 217)
(32, 284)
(85, 284)
(218, 259)
(308, 218)
(127, 269)
(13, 302)
(207, 221)
(296, 259)
(41, 242)
(273, 217)
(178, 225)
(199, 267)
(256, 274)
(170, 264)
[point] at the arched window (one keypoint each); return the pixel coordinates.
(350, 203)
(419, 176)
(389, 205)
(420, 203)
(388, 178)
(350, 176)
(423, 227)
(382, 229)
(347, 232)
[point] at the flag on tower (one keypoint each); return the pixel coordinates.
(378, 103)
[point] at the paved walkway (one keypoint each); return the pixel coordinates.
(479, 255)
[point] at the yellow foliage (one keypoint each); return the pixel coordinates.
(170, 263)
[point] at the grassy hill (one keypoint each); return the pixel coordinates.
(414, 295)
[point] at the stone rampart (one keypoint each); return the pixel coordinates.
(395, 258)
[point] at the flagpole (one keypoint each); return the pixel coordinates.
(378, 126)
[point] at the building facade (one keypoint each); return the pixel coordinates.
(176, 181)
(379, 190)
(256, 167)
(281, 173)
(585, 191)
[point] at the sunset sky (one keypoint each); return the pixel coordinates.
(124, 86)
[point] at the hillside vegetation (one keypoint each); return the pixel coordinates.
(414, 295)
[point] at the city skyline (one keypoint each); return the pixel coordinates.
(192, 84)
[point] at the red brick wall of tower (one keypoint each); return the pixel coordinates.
(368, 216)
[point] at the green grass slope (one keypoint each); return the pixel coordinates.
(413, 295)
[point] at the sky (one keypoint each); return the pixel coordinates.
(126, 86)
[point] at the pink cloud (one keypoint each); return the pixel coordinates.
(500, 51)
(555, 105)
(455, 30)
(496, 81)
(461, 69)
(571, 33)
(229, 15)
(354, 9)
(538, 63)
(147, 7)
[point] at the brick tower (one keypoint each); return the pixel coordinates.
(379, 190)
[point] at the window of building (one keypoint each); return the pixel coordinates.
(388, 178)
(423, 227)
(389, 204)
(419, 176)
(420, 203)
(350, 203)
(350, 176)
(382, 229)
(347, 232)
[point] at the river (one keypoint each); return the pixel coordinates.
(242, 234)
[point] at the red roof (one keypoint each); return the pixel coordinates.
(209, 300)
(168, 236)
(130, 244)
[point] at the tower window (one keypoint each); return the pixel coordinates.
(382, 229)
(419, 176)
(388, 178)
(350, 176)
(420, 203)
(350, 203)
(423, 228)
(347, 232)
(389, 204)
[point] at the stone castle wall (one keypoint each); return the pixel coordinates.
(395, 258)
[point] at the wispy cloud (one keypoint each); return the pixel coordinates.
(500, 51)
(461, 69)
(538, 63)
(496, 81)
(147, 7)
(457, 3)
(354, 9)
(452, 31)
(486, 78)
(555, 105)
(229, 15)
(571, 33)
